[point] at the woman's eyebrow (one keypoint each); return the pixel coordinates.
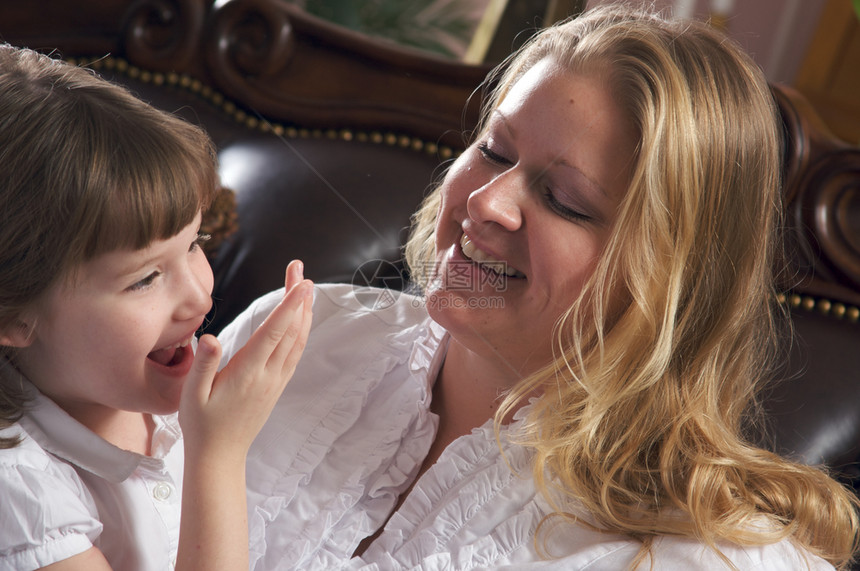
(586, 180)
(501, 117)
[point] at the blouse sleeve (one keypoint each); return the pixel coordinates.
(47, 514)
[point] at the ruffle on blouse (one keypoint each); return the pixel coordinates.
(477, 508)
(347, 437)
(472, 509)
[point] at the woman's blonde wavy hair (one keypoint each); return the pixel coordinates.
(642, 413)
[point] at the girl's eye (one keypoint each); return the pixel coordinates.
(145, 282)
(562, 210)
(198, 241)
(491, 155)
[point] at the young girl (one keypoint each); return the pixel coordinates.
(102, 287)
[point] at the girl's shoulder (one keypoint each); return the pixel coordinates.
(48, 513)
(30, 467)
(28, 454)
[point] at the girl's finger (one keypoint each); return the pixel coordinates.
(296, 332)
(198, 384)
(294, 274)
(271, 332)
(287, 355)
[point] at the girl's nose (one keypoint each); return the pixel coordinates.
(196, 290)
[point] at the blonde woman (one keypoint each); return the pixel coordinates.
(596, 320)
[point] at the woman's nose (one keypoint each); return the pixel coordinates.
(499, 201)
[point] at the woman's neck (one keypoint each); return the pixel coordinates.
(470, 388)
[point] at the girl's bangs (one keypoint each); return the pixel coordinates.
(155, 191)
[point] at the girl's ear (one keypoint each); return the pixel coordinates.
(18, 334)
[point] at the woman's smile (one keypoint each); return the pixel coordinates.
(487, 261)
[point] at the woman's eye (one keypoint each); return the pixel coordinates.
(199, 241)
(145, 282)
(563, 210)
(491, 155)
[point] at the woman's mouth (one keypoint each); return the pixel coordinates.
(483, 259)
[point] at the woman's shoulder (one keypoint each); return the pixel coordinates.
(342, 308)
(351, 428)
(687, 553)
(330, 300)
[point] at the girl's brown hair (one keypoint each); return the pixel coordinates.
(85, 168)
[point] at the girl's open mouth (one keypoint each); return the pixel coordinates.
(173, 355)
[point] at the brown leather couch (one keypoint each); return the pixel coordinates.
(329, 140)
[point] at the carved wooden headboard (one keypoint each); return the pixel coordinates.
(353, 130)
(265, 55)
(822, 190)
(265, 61)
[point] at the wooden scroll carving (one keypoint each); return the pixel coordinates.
(822, 190)
(248, 39)
(286, 66)
(163, 34)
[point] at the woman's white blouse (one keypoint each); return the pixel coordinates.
(350, 433)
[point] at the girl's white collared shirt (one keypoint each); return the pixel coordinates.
(65, 489)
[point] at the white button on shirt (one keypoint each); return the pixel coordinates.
(66, 489)
(161, 491)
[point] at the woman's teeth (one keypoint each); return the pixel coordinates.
(476, 255)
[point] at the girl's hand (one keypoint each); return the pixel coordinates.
(222, 413)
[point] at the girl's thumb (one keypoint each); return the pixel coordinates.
(202, 374)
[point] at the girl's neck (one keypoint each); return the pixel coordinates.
(135, 434)
(130, 431)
